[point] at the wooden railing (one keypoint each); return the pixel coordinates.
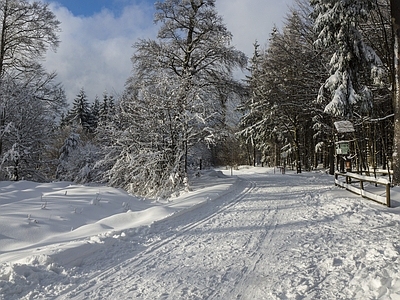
(352, 178)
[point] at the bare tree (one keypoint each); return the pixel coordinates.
(183, 80)
(29, 98)
(29, 130)
(27, 30)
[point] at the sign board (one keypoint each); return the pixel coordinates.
(342, 148)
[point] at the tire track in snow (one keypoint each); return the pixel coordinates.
(144, 258)
(219, 257)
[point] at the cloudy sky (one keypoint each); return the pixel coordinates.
(97, 37)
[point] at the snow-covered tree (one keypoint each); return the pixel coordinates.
(107, 109)
(29, 126)
(79, 115)
(279, 109)
(27, 30)
(94, 113)
(176, 96)
(70, 144)
(83, 132)
(359, 88)
(251, 113)
(337, 22)
(78, 156)
(146, 150)
(30, 101)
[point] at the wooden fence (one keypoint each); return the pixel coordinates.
(352, 178)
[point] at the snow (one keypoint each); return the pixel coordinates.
(254, 235)
(344, 126)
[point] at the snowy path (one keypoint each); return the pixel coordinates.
(269, 241)
(270, 236)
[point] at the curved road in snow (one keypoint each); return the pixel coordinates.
(275, 237)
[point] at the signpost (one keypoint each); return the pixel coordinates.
(343, 151)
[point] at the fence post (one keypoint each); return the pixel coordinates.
(388, 194)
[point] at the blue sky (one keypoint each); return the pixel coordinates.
(97, 37)
(87, 8)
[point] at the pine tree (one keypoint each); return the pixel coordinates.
(252, 113)
(337, 23)
(107, 109)
(79, 115)
(95, 113)
(279, 110)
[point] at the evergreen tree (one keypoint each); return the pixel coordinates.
(337, 23)
(279, 112)
(94, 114)
(70, 144)
(79, 115)
(107, 109)
(253, 113)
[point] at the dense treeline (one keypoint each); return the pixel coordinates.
(331, 62)
(183, 109)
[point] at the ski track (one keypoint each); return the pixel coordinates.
(265, 240)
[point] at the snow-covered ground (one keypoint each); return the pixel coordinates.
(254, 235)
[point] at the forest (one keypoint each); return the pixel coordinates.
(183, 108)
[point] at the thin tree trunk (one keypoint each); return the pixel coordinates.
(2, 54)
(331, 158)
(297, 151)
(395, 13)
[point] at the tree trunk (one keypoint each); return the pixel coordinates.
(2, 54)
(395, 13)
(297, 150)
(331, 158)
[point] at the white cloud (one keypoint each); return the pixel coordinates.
(251, 20)
(95, 51)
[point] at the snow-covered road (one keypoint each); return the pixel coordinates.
(262, 236)
(274, 237)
